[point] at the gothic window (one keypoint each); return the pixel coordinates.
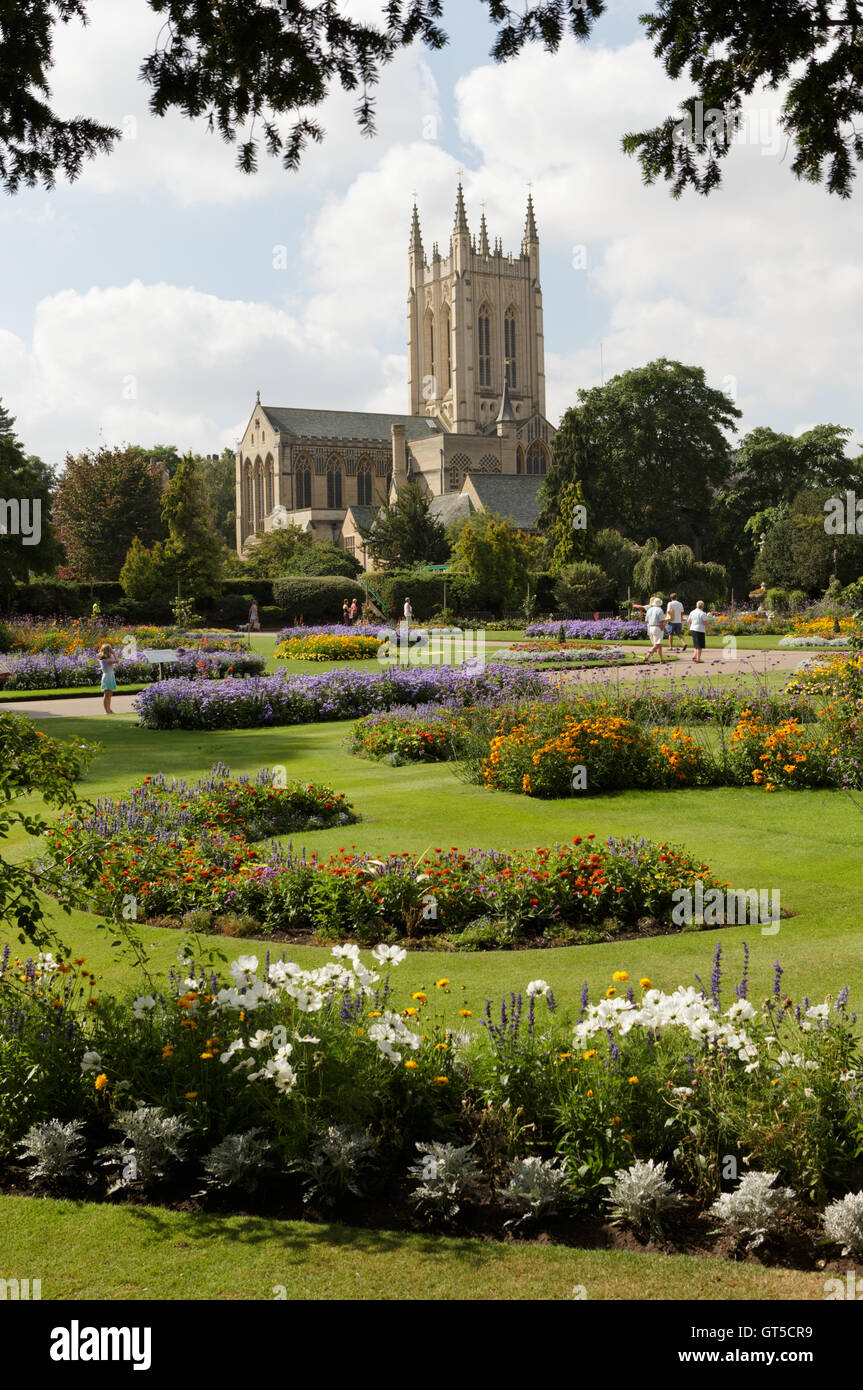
(303, 483)
(270, 496)
(509, 347)
(484, 346)
(259, 492)
(430, 345)
(488, 464)
(250, 497)
(446, 329)
(536, 459)
(459, 464)
(519, 459)
(334, 481)
(364, 482)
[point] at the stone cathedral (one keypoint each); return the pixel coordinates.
(476, 438)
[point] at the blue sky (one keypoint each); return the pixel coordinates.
(142, 303)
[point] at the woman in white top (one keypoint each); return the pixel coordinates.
(655, 619)
(698, 628)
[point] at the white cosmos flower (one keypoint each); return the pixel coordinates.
(142, 1005)
(91, 1061)
(46, 963)
(260, 1038)
(537, 987)
(283, 970)
(818, 1011)
(243, 965)
(236, 1046)
(308, 1001)
(349, 952)
(389, 955)
(742, 1009)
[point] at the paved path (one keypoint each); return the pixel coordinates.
(746, 663)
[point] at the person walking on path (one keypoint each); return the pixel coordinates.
(408, 612)
(254, 620)
(655, 619)
(107, 662)
(698, 628)
(674, 621)
(353, 612)
(346, 614)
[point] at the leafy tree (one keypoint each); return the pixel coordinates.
(646, 449)
(322, 557)
(496, 557)
(32, 764)
(206, 62)
(193, 551)
(147, 574)
(165, 454)
(569, 541)
(220, 489)
(27, 539)
(768, 471)
(616, 556)
(103, 500)
(404, 533)
(268, 553)
(581, 587)
(799, 553)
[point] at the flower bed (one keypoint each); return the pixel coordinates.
(59, 671)
(609, 629)
(573, 655)
(345, 647)
(560, 749)
(807, 642)
(335, 1086)
(473, 900)
(330, 630)
(172, 810)
(838, 676)
(426, 734)
(339, 694)
(68, 636)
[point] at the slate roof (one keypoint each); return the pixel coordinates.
(510, 495)
(348, 424)
(451, 507)
(361, 514)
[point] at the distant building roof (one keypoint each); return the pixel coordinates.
(451, 507)
(348, 424)
(510, 495)
(361, 515)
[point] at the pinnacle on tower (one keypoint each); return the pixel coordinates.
(483, 236)
(416, 235)
(530, 223)
(506, 411)
(460, 214)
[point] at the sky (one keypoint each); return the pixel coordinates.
(148, 301)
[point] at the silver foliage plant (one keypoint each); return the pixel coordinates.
(152, 1143)
(237, 1161)
(56, 1149)
(536, 1187)
(339, 1161)
(843, 1222)
(640, 1194)
(445, 1175)
(755, 1209)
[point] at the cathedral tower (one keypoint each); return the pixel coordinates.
(475, 326)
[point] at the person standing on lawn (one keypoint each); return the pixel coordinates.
(408, 612)
(353, 612)
(674, 621)
(698, 628)
(655, 619)
(107, 662)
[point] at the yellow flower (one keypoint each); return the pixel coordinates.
(590, 1095)
(633, 1081)
(466, 1013)
(441, 1081)
(411, 1013)
(411, 1066)
(375, 1013)
(620, 975)
(420, 996)
(101, 1081)
(610, 992)
(206, 1056)
(191, 1095)
(615, 1120)
(441, 984)
(167, 1051)
(645, 983)
(590, 1054)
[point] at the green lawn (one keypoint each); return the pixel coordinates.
(82, 1251)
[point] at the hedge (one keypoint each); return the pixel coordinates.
(317, 598)
(64, 597)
